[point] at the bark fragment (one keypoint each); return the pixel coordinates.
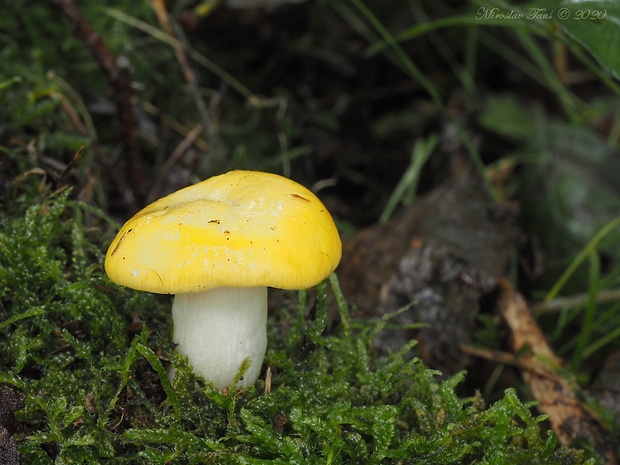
(440, 257)
(9, 402)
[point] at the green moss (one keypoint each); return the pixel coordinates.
(97, 390)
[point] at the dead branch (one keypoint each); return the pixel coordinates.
(568, 416)
(120, 83)
(178, 153)
(159, 6)
(506, 358)
(562, 303)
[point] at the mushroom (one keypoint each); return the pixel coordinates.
(218, 245)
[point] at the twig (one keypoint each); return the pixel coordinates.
(185, 144)
(71, 98)
(568, 416)
(252, 99)
(506, 358)
(121, 86)
(559, 304)
(164, 19)
(174, 124)
(73, 163)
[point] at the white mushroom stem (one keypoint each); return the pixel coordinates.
(219, 328)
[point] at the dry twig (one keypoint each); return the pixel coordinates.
(561, 303)
(569, 417)
(120, 83)
(178, 153)
(190, 76)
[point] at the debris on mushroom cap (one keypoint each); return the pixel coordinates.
(242, 228)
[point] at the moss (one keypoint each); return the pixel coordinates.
(91, 359)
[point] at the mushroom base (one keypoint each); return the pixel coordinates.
(219, 328)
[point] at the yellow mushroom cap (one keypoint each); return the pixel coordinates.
(241, 229)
